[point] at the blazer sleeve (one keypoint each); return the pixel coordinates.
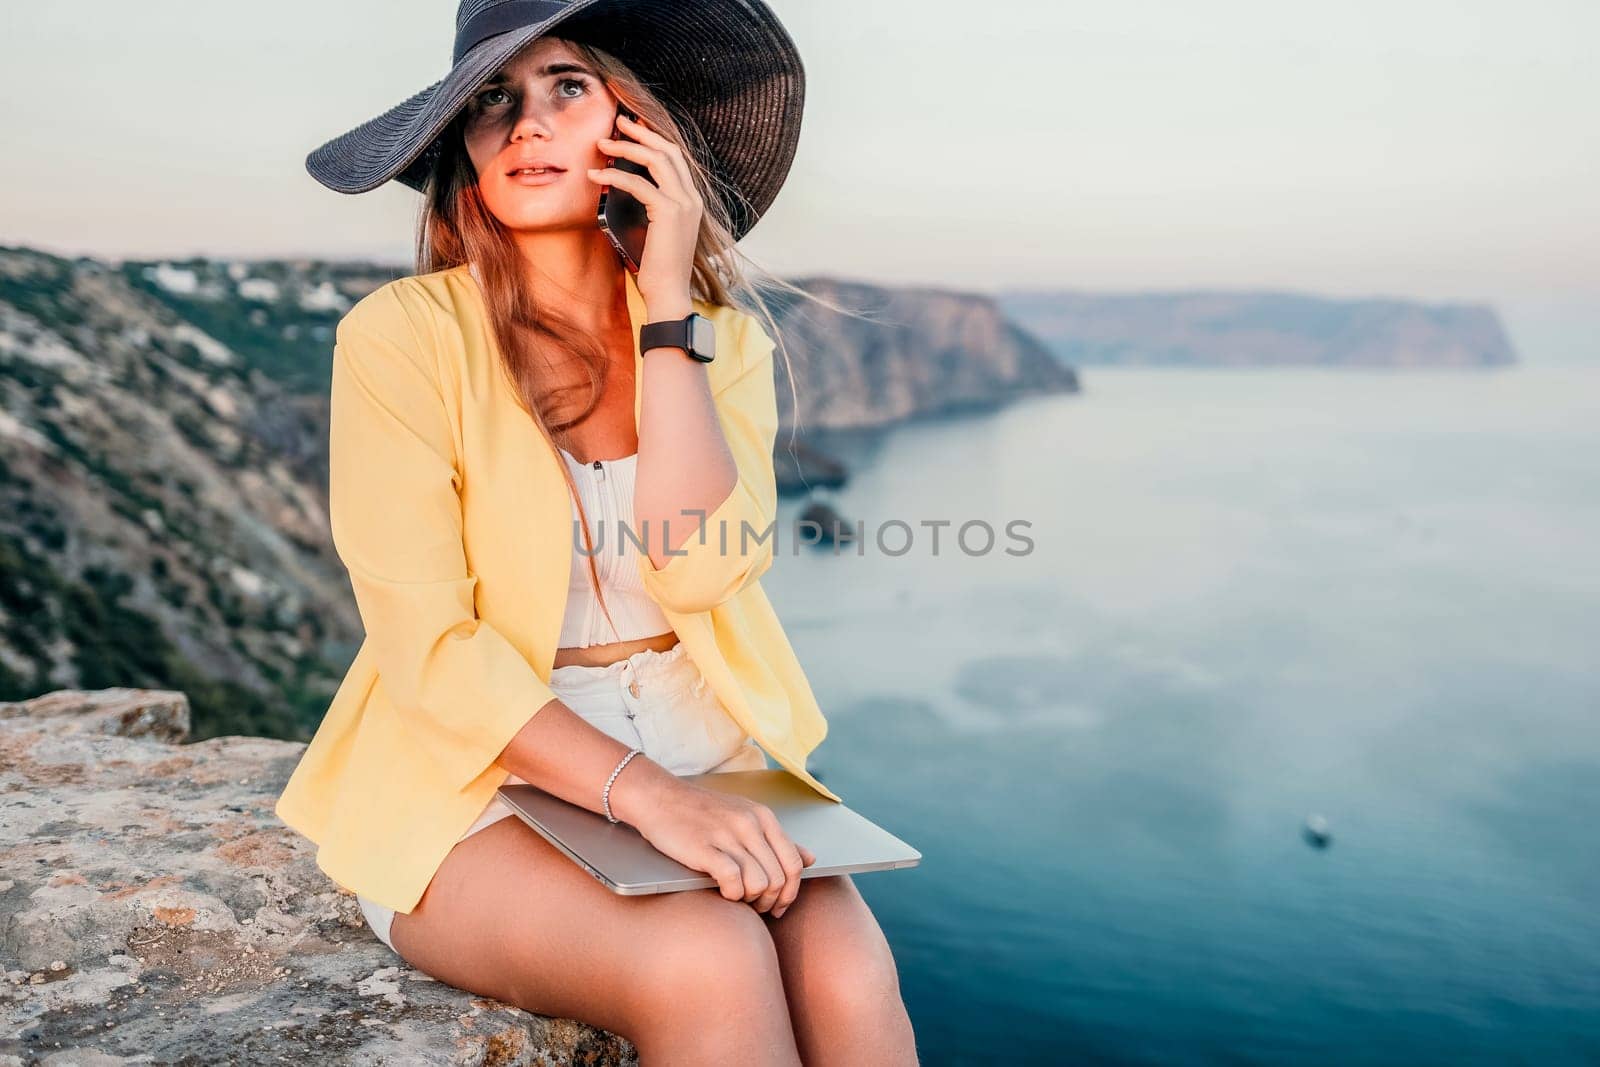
(395, 511)
(733, 546)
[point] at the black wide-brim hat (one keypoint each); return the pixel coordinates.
(728, 66)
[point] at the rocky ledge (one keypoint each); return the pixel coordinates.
(154, 910)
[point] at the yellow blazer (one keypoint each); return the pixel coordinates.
(450, 513)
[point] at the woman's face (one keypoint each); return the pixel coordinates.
(545, 104)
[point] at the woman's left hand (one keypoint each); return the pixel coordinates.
(673, 205)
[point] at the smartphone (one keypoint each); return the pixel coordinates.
(623, 217)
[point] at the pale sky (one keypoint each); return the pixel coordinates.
(1426, 149)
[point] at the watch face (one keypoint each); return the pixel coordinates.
(703, 336)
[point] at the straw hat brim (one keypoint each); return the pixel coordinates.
(728, 66)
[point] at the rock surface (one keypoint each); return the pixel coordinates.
(154, 910)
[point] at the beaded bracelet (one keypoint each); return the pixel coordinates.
(605, 795)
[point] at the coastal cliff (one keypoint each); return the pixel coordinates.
(163, 508)
(904, 353)
(1255, 328)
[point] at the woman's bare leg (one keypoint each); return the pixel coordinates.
(687, 977)
(840, 978)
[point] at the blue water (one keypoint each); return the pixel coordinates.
(1252, 596)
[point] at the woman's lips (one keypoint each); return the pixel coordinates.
(549, 177)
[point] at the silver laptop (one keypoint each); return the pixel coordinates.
(844, 841)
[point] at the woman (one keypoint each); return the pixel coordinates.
(477, 408)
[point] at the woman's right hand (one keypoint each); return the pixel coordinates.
(734, 839)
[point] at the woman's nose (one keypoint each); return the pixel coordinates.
(530, 123)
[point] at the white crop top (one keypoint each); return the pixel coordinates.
(606, 488)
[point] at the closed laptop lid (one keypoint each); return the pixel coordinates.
(615, 854)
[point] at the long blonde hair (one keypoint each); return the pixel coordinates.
(457, 227)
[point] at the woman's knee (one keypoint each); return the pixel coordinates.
(854, 978)
(707, 953)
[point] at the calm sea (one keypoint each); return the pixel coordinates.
(1250, 597)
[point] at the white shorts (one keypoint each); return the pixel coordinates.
(655, 701)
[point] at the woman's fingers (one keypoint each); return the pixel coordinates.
(648, 194)
(769, 863)
(727, 869)
(656, 161)
(766, 881)
(653, 158)
(787, 886)
(753, 876)
(807, 859)
(671, 200)
(791, 885)
(667, 168)
(744, 849)
(644, 135)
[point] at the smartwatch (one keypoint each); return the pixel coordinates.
(694, 333)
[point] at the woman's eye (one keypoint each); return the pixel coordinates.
(496, 95)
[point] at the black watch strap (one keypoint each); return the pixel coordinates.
(694, 333)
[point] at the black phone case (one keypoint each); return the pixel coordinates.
(622, 215)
